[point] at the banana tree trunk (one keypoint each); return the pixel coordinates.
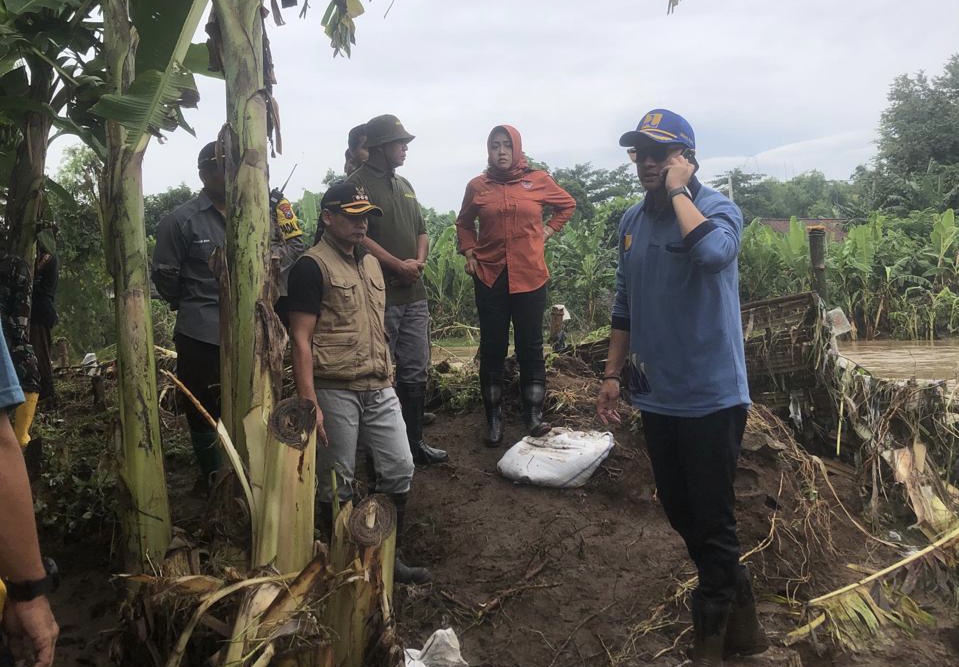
(246, 312)
(26, 179)
(147, 518)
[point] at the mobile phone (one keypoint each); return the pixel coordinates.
(690, 155)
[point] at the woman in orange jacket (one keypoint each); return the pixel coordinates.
(506, 257)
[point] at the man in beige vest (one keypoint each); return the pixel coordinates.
(341, 360)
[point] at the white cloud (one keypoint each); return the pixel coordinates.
(836, 156)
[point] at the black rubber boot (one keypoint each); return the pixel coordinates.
(534, 395)
(33, 458)
(412, 399)
(744, 633)
(492, 390)
(709, 632)
(403, 573)
(323, 520)
(207, 458)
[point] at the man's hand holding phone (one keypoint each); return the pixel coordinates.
(679, 169)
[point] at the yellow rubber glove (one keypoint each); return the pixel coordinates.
(23, 417)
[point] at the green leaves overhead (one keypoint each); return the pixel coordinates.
(152, 103)
(339, 25)
(159, 26)
(163, 85)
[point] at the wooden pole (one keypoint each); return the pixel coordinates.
(817, 257)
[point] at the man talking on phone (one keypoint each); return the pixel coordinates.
(677, 346)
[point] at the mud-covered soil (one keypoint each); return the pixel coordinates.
(535, 577)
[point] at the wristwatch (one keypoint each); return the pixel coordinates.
(24, 591)
(684, 190)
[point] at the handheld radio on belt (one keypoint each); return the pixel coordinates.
(281, 210)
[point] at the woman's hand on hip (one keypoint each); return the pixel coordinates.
(471, 263)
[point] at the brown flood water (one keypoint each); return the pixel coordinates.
(937, 360)
(923, 360)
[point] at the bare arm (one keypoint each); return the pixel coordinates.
(20, 550)
(422, 248)
(301, 331)
(609, 390)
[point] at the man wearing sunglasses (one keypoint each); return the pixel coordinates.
(676, 329)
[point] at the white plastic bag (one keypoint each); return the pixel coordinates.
(562, 458)
(442, 649)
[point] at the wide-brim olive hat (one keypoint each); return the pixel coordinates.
(385, 129)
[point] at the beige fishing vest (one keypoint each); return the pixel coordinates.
(349, 339)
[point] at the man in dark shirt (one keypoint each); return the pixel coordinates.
(399, 241)
(186, 238)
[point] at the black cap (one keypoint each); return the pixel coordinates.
(349, 199)
(206, 156)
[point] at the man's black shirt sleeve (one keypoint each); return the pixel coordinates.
(305, 287)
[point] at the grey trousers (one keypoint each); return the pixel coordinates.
(372, 418)
(408, 328)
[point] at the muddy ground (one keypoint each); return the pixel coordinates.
(526, 576)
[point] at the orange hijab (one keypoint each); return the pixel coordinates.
(519, 166)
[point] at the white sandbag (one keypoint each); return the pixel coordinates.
(442, 649)
(562, 458)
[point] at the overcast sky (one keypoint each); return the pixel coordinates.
(773, 86)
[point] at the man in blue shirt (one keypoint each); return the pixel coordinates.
(676, 321)
(26, 614)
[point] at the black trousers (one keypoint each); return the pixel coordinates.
(694, 462)
(41, 338)
(198, 367)
(497, 308)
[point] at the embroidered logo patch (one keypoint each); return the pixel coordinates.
(527, 185)
(627, 241)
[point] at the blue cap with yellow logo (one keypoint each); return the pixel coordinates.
(662, 126)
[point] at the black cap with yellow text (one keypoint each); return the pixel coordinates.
(349, 199)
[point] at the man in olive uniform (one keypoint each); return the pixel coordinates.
(399, 241)
(341, 361)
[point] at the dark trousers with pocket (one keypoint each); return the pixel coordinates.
(496, 308)
(198, 367)
(694, 463)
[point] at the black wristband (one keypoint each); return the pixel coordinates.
(24, 591)
(613, 377)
